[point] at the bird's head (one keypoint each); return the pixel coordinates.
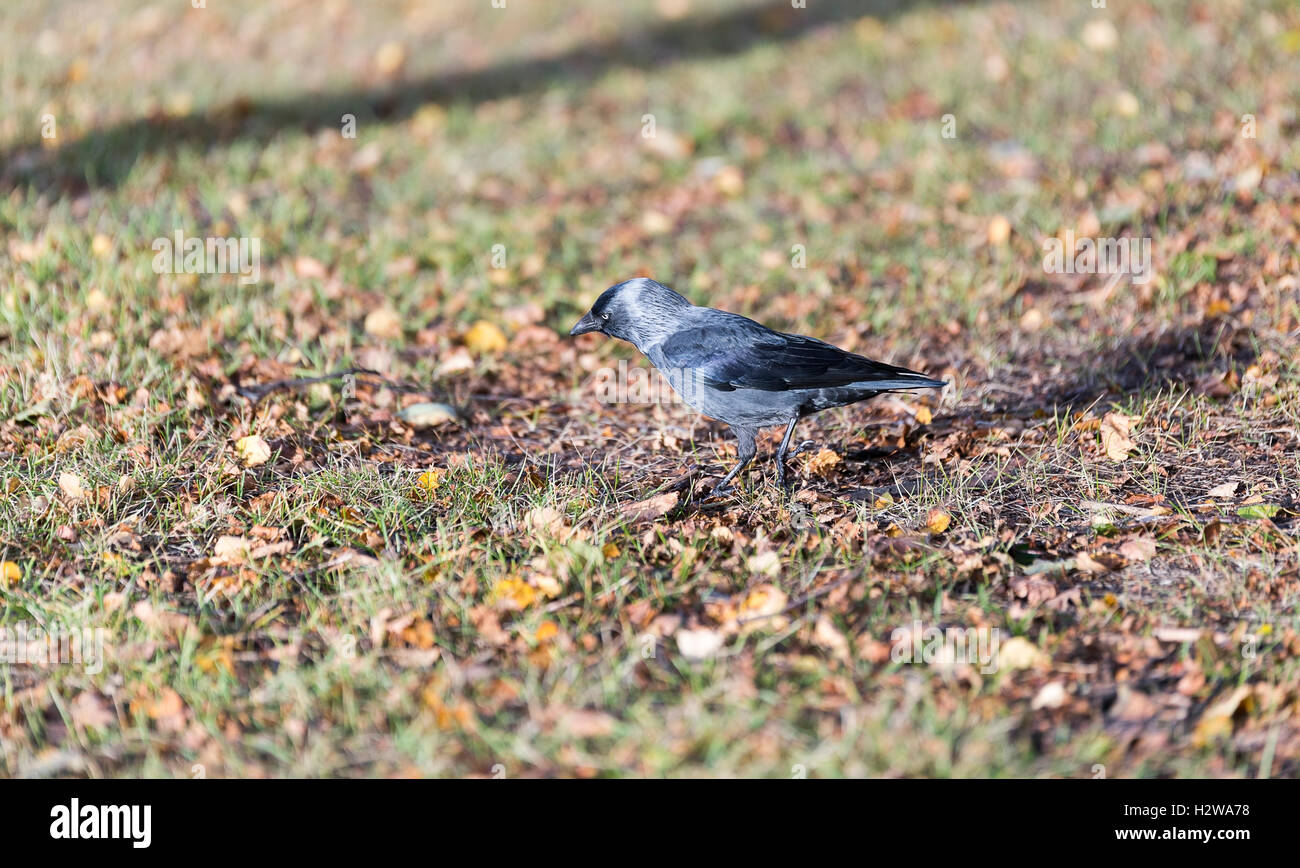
(639, 311)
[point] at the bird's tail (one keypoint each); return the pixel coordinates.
(901, 382)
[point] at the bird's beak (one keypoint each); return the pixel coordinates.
(588, 323)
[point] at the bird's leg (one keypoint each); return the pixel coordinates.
(780, 453)
(746, 449)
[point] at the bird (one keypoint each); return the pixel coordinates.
(738, 371)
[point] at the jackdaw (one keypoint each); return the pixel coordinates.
(735, 370)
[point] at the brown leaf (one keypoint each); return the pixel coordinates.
(1137, 549)
(1115, 439)
(651, 507)
(823, 463)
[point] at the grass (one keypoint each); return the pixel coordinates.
(509, 613)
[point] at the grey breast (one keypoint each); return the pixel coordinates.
(749, 408)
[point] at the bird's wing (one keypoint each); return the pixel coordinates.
(741, 354)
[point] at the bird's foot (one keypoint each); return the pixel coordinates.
(804, 447)
(722, 488)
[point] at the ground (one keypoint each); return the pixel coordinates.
(295, 579)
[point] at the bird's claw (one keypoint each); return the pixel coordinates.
(805, 446)
(720, 489)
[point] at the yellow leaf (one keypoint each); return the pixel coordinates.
(655, 222)
(924, 416)
(546, 630)
(999, 231)
(1220, 719)
(10, 572)
(485, 337)
(427, 482)
(730, 181)
(938, 520)
(823, 463)
(252, 450)
(390, 58)
(763, 608)
(1127, 105)
(610, 551)
(514, 591)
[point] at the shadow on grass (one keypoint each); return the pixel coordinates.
(102, 158)
(1173, 359)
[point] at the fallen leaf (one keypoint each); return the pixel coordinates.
(485, 337)
(766, 563)
(763, 607)
(1219, 719)
(582, 723)
(252, 450)
(427, 482)
(937, 521)
(1177, 635)
(390, 58)
(1088, 564)
(384, 322)
(89, 710)
(1139, 548)
(651, 507)
(999, 231)
(305, 266)
(700, 644)
(826, 636)
(72, 485)
(823, 463)
(1050, 695)
(515, 592)
(546, 521)
(458, 361)
(1115, 439)
(230, 550)
(1019, 653)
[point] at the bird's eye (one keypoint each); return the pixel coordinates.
(605, 317)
